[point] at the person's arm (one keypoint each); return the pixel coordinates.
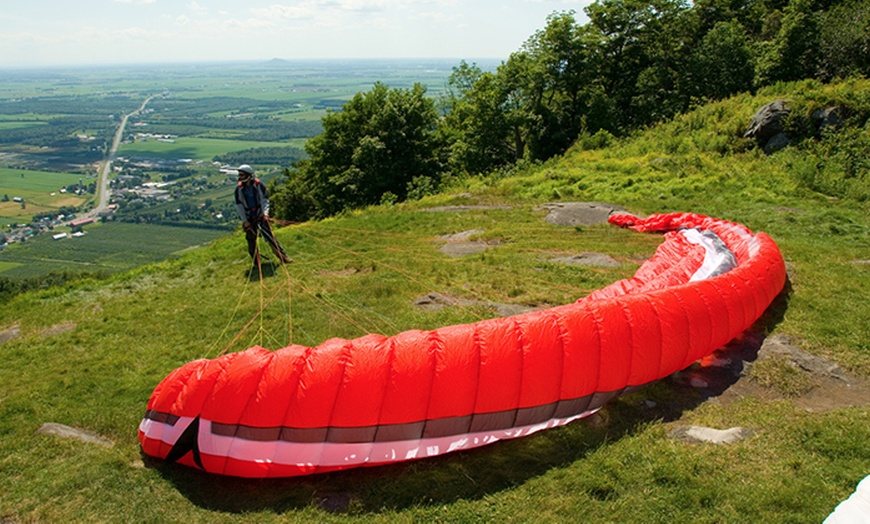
(240, 205)
(264, 199)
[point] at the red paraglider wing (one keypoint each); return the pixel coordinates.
(376, 399)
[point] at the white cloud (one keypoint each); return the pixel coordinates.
(287, 12)
(199, 9)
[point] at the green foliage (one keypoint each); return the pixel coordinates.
(636, 63)
(632, 65)
(280, 156)
(379, 143)
(722, 63)
(845, 40)
(479, 133)
(794, 52)
(10, 287)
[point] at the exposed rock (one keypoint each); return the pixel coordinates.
(59, 430)
(777, 142)
(710, 435)
(461, 237)
(580, 213)
(781, 345)
(827, 117)
(10, 333)
(766, 126)
(587, 259)
(437, 301)
(450, 209)
(57, 329)
(767, 121)
(458, 244)
(461, 249)
(829, 386)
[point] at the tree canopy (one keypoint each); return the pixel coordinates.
(375, 147)
(635, 63)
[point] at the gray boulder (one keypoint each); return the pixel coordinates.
(829, 117)
(766, 126)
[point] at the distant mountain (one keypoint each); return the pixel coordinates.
(278, 62)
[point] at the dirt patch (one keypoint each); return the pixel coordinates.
(57, 329)
(587, 259)
(580, 213)
(349, 272)
(459, 245)
(452, 209)
(10, 333)
(774, 368)
(437, 301)
(62, 431)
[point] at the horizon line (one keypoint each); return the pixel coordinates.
(252, 61)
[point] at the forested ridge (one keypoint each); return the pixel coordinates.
(633, 64)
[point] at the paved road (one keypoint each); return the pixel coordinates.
(103, 181)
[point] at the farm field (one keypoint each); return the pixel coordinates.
(105, 248)
(189, 148)
(40, 191)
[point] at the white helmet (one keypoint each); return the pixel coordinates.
(246, 169)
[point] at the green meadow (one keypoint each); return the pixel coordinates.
(193, 148)
(88, 354)
(40, 191)
(105, 248)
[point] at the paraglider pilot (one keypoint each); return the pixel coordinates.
(252, 204)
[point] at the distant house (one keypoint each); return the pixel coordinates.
(81, 222)
(59, 236)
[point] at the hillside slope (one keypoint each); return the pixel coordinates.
(88, 355)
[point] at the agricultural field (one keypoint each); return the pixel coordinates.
(189, 148)
(57, 126)
(105, 248)
(40, 190)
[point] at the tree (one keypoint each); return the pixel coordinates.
(557, 75)
(379, 143)
(794, 52)
(476, 128)
(641, 43)
(845, 40)
(722, 63)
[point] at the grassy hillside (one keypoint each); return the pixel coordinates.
(88, 355)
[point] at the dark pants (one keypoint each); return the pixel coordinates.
(261, 226)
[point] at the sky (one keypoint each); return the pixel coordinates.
(48, 33)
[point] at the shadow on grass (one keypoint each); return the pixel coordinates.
(474, 474)
(266, 269)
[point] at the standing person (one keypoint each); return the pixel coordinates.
(252, 204)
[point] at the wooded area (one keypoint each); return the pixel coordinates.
(633, 64)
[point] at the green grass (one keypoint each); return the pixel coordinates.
(39, 189)
(360, 273)
(190, 147)
(35, 181)
(105, 248)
